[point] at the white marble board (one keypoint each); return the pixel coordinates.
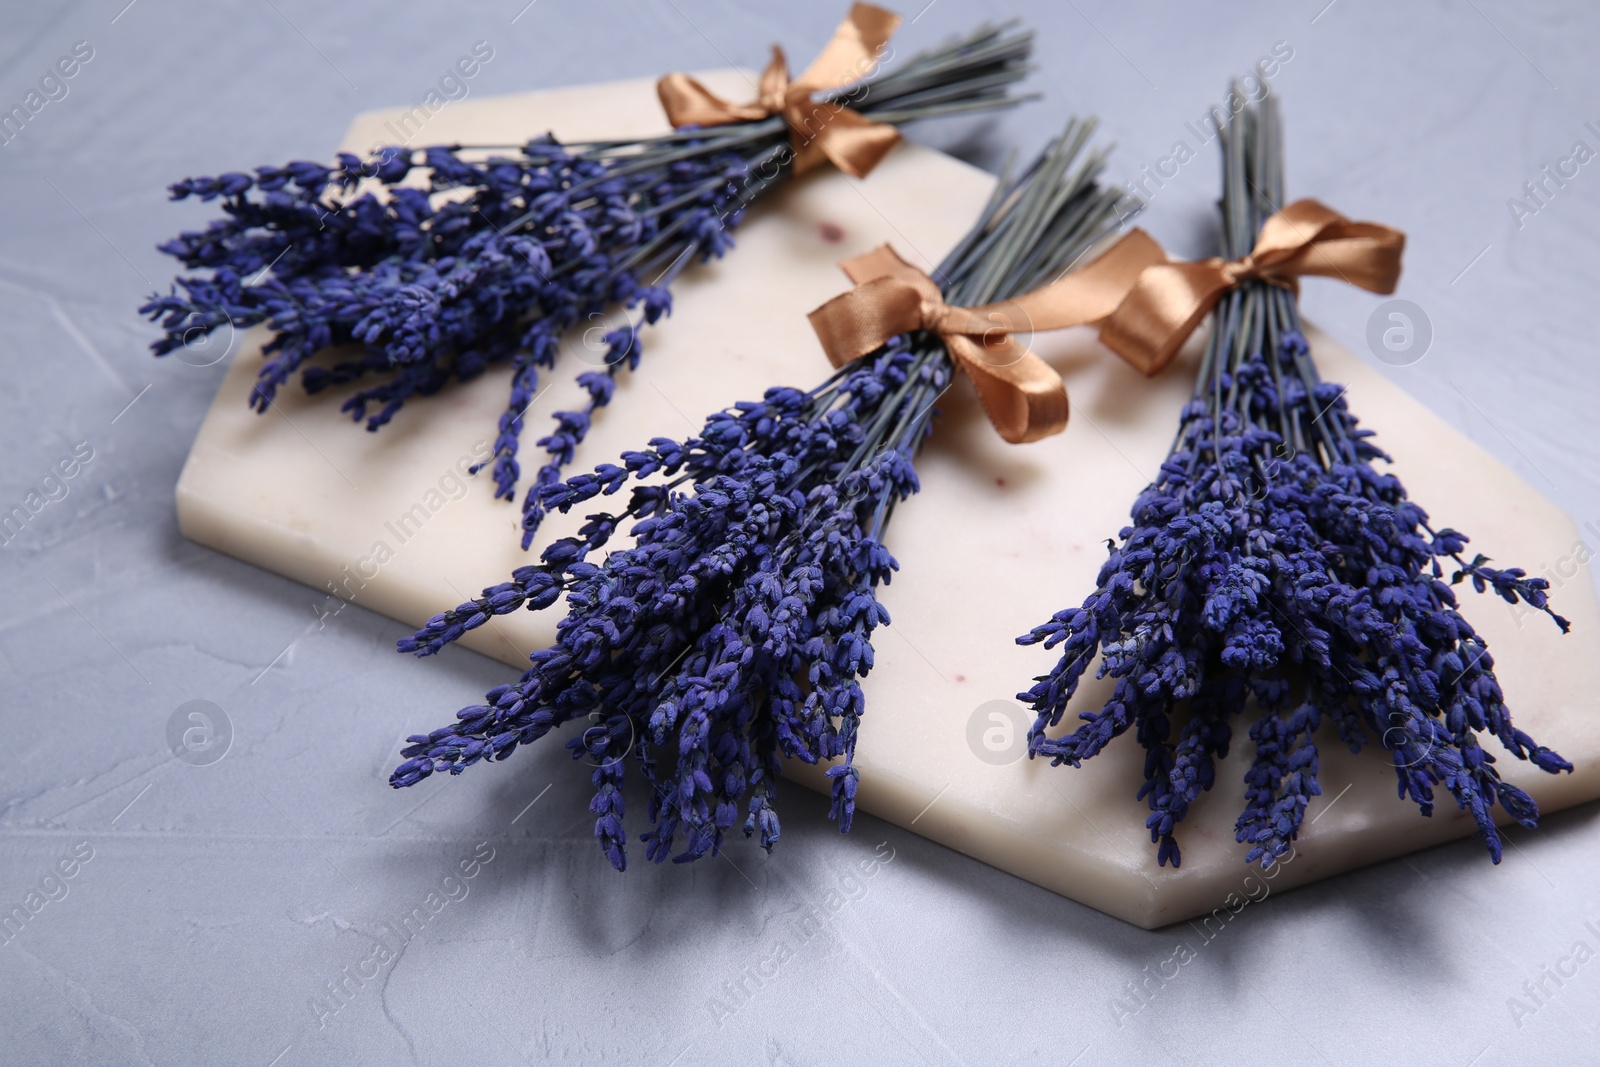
(1000, 537)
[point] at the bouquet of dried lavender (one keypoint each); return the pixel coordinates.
(436, 263)
(737, 625)
(1273, 565)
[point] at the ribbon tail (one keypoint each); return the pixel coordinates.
(1161, 311)
(827, 129)
(1082, 296)
(841, 136)
(1024, 399)
(689, 103)
(1368, 261)
(852, 51)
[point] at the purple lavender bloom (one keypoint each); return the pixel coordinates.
(499, 255)
(737, 624)
(735, 627)
(434, 290)
(1273, 574)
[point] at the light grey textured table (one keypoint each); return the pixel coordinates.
(221, 905)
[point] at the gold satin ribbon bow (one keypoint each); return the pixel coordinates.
(1023, 397)
(850, 141)
(1168, 300)
(1145, 305)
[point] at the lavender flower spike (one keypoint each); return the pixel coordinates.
(1272, 574)
(505, 250)
(736, 626)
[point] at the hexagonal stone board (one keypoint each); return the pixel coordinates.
(1000, 537)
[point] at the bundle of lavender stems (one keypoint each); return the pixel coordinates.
(1274, 578)
(423, 267)
(735, 627)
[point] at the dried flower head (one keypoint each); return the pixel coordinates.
(737, 624)
(502, 250)
(1273, 574)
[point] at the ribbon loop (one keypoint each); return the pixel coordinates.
(1023, 397)
(774, 88)
(817, 130)
(1307, 238)
(1145, 305)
